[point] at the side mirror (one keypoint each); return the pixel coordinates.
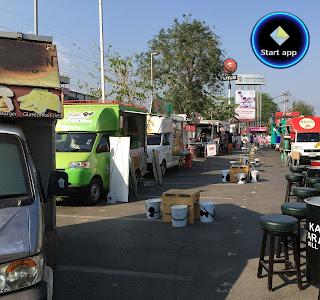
(58, 183)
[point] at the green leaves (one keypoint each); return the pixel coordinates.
(304, 108)
(188, 70)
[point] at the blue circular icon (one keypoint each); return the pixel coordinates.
(280, 40)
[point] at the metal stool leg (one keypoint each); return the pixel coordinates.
(271, 260)
(286, 253)
(296, 254)
(262, 253)
(288, 191)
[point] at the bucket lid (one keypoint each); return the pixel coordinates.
(206, 203)
(181, 206)
(315, 201)
(154, 200)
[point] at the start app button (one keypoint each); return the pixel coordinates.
(280, 40)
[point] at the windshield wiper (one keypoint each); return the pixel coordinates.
(9, 196)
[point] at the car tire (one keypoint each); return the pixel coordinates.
(94, 192)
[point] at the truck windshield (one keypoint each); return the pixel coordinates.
(14, 178)
(154, 140)
(308, 137)
(75, 141)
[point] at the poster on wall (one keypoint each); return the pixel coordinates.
(246, 101)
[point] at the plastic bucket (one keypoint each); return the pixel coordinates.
(179, 215)
(242, 177)
(153, 210)
(225, 175)
(254, 176)
(207, 211)
(245, 159)
(257, 161)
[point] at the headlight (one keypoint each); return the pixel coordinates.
(21, 273)
(79, 165)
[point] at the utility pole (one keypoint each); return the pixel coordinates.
(229, 92)
(103, 92)
(35, 16)
(285, 101)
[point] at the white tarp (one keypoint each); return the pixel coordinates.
(119, 169)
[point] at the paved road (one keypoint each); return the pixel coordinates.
(114, 252)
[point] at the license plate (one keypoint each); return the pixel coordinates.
(312, 154)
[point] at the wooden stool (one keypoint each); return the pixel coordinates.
(283, 227)
(292, 180)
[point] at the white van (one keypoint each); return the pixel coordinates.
(164, 136)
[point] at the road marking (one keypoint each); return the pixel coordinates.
(172, 277)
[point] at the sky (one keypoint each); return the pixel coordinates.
(129, 25)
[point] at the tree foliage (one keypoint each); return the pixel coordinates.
(220, 109)
(122, 80)
(269, 107)
(187, 70)
(304, 108)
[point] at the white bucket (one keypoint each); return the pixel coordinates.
(245, 159)
(257, 161)
(179, 215)
(254, 176)
(153, 210)
(207, 211)
(242, 178)
(225, 175)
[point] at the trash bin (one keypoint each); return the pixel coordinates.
(313, 241)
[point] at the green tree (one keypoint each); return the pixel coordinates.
(187, 70)
(269, 107)
(220, 109)
(122, 81)
(304, 108)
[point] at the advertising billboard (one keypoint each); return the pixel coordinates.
(246, 101)
(250, 79)
(28, 63)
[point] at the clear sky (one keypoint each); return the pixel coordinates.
(129, 25)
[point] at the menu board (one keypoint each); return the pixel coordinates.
(29, 102)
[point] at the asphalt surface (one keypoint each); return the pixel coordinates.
(114, 252)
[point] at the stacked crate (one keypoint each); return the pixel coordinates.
(238, 169)
(181, 197)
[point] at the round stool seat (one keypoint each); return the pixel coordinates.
(297, 169)
(279, 223)
(294, 177)
(312, 180)
(305, 174)
(317, 186)
(305, 192)
(294, 209)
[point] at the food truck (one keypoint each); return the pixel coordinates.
(305, 136)
(30, 103)
(165, 135)
(82, 144)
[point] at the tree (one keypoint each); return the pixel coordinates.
(220, 109)
(304, 108)
(187, 70)
(122, 81)
(269, 107)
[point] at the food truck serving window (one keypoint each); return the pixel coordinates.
(75, 141)
(308, 137)
(14, 179)
(154, 139)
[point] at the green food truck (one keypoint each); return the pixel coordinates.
(82, 144)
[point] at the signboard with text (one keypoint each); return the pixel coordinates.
(250, 79)
(246, 101)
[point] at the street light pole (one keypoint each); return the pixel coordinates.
(151, 76)
(103, 93)
(35, 12)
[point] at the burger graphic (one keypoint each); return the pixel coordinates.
(5, 99)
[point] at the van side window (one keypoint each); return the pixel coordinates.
(103, 145)
(166, 139)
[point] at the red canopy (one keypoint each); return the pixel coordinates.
(304, 124)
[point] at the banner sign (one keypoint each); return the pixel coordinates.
(28, 102)
(250, 79)
(28, 63)
(246, 101)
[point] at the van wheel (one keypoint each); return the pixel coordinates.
(94, 192)
(163, 167)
